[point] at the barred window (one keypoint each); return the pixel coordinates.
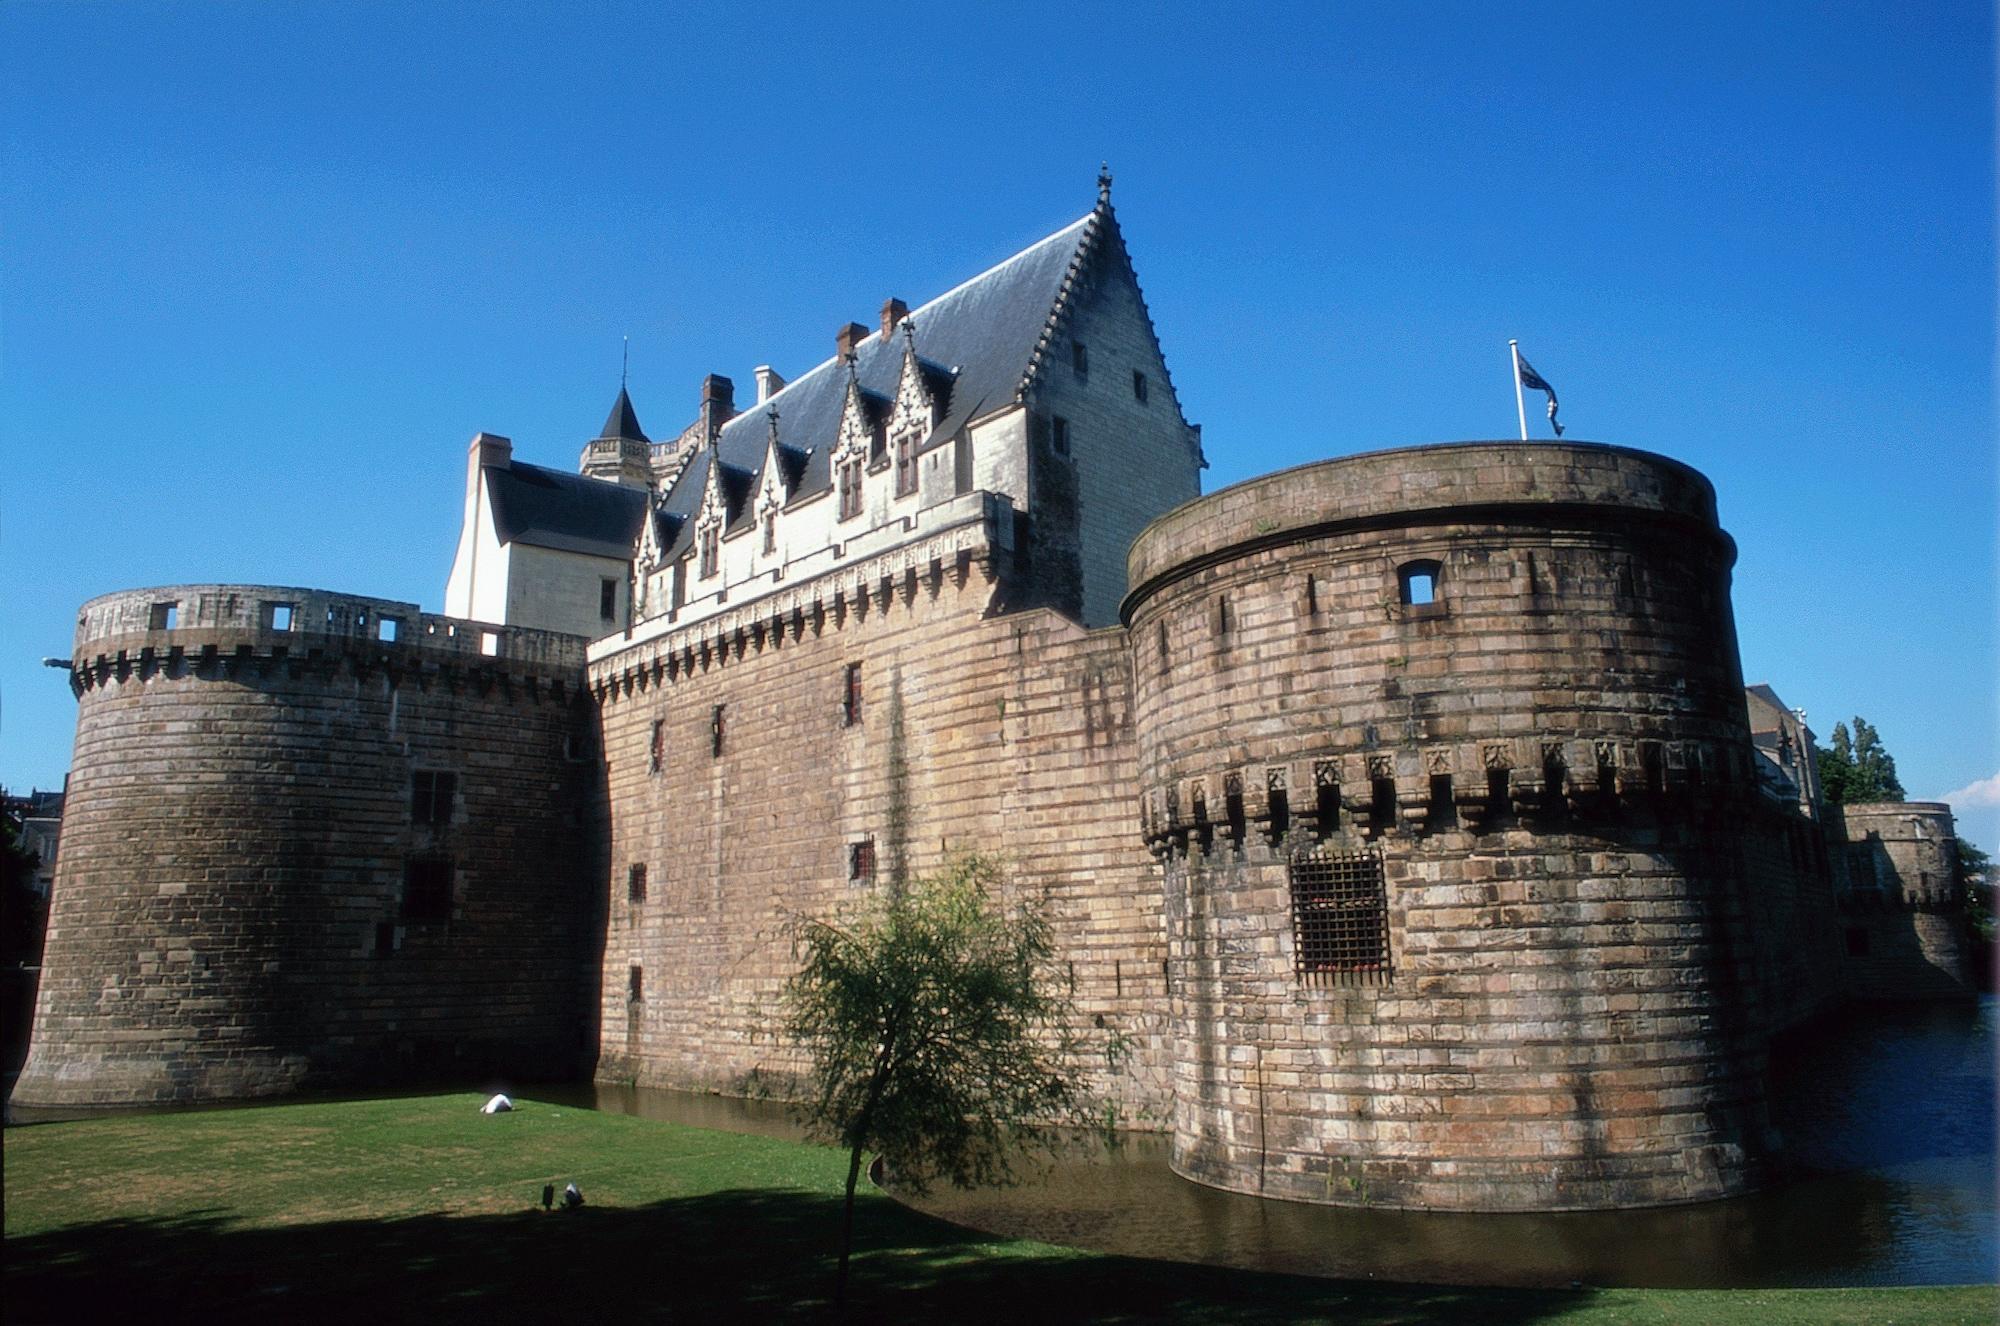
(861, 861)
(1340, 917)
(635, 882)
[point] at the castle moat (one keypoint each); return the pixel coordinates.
(1889, 1115)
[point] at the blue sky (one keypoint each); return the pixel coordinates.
(268, 267)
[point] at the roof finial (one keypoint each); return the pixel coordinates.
(625, 365)
(772, 415)
(1104, 184)
(910, 334)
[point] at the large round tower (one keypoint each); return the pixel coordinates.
(312, 840)
(1434, 747)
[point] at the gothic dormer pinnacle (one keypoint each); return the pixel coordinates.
(1104, 184)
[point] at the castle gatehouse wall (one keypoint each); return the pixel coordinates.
(778, 759)
(313, 840)
(1470, 901)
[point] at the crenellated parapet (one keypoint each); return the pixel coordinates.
(231, 631)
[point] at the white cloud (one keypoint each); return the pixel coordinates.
(1985, 792)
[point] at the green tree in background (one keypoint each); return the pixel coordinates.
(1857, 768)
(1975, 877)
(938, 1035)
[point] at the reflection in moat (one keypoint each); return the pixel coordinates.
(1889, 1116)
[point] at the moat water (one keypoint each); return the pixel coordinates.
(1890, 1123)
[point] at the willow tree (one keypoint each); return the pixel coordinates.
(939, 1035)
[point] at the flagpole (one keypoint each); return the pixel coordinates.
(1520, 406)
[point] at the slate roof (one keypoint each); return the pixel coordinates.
(569, 512)
(975, 344)
(623, 421)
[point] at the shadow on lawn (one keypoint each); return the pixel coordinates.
(741, 1255)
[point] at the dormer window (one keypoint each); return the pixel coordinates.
(906, 464)
(709, 550)
(770, 531)
(849, 483)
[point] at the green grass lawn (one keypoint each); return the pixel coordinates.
(423, 1209)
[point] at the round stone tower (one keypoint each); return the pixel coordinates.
(311, 839)
(1437, 748)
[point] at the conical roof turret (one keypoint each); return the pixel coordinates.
(623, 421)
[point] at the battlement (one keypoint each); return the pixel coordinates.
(197, 626)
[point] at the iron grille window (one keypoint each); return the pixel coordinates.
(861, 861)
(635, 882)
(1340, 917)
(431, 794)
(715, 733)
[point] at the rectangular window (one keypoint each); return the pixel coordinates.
(279, 616)
(850, 489)
(635, 983)
(657, 754)
(1059, 435)
(1340, 917)
(906, 465)
(431, 795)
(607, 598)
(1079, 358)
(861, 861)
(164, 616)
(709, 539)
(1138, 386)
(635, 882)
(715, 733)
(427, 889)
(850, 696)
(770, 532)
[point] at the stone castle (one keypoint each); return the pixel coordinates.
(1409, 830)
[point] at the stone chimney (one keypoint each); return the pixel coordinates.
(718, 403)
(769, 383)
(848, 337)
(490, 451)
(893, 312)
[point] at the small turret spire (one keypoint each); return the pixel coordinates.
(625, 364)
(1104, 184)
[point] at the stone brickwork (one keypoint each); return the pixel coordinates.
(1901, 910)
(1009, 734)
(229, 917)
(1506, 677)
